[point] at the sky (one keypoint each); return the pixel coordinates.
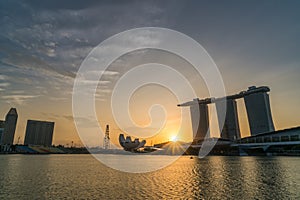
(42, 45)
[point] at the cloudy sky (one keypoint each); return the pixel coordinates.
(42, 45)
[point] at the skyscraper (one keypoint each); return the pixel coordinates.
(200, 124)
(2, 123)
(39, 133)
(259, 110)
(231, 128)
(200, 118)
(10, 127)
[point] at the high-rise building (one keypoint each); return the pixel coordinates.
(231, 129)
(200, 118)
(10, 127)
(258, 110)
(39, 133)
(200, 123)
(2, 123)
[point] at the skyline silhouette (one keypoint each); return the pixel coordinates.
(43, 44)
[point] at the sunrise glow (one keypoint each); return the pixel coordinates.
(173, 138)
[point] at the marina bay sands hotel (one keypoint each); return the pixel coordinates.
(258, 111)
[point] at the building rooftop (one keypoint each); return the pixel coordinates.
(274, 132)
(12, 111)
(38, 121)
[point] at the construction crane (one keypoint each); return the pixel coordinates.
(106, 140)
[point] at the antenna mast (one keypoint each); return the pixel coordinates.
(106, 140)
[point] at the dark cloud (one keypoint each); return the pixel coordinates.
(48, 40)
(57, 36)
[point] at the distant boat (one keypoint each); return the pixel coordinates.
(148, 149)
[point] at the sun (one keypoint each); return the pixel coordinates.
(173, 138)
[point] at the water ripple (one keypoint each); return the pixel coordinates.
(83, 177)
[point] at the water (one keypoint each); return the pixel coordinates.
(83, 177)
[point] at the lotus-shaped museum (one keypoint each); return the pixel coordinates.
(130, 145)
